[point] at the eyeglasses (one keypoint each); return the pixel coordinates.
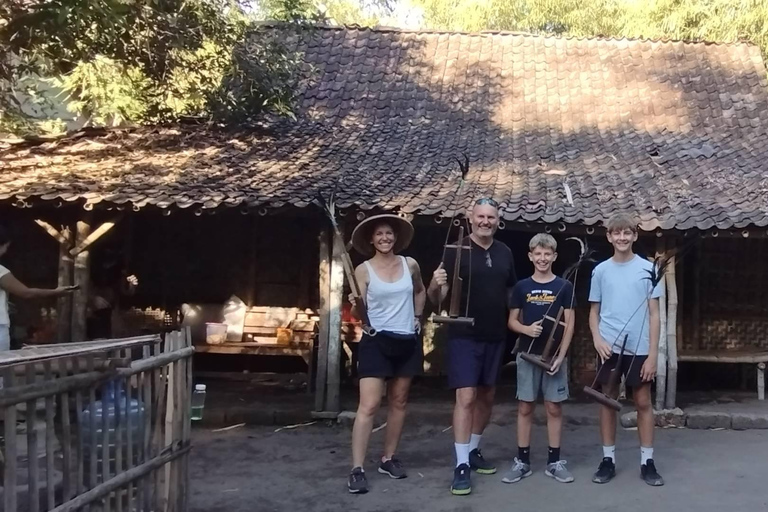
(487, 200)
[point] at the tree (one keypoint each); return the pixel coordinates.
(117, 61)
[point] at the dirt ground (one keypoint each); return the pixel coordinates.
(258, 469)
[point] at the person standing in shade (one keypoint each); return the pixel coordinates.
(9, 285)
(475, 353)
(394, 296)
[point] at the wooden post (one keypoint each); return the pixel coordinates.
(325, 290)
(672, 334)
(696, 313)
(82, 278)
(661, 367)
(64, 304)
(334, 327)
(250, 290)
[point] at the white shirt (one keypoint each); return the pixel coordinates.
(5, 319)
(390, 305)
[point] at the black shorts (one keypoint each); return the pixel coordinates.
(630, 369)
(473, 363)
(389, 355)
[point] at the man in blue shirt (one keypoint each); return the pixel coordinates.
(624, 303)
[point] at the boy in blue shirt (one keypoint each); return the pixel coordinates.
(541, 294)
(623, 303)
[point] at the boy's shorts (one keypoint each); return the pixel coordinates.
(531, 380)
(630, 369)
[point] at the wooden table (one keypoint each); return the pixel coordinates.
(756, 357)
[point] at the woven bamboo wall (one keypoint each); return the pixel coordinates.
(732, 295)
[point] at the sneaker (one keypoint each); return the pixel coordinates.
(559, 472)
(462, 484)
(605, 472)
(357, 483)
(393, 467)
(650, 475)
(517, 472)
(479, 464)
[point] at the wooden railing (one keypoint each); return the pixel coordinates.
(113, 429)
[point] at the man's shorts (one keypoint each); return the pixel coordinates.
(630, 369)
(532, 379)
(473, 363)
(386, 355)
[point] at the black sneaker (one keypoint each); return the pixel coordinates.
(462, 485)
(605, 472)
(393, 467)
(479, 464)
(649, 474)
(357, 483)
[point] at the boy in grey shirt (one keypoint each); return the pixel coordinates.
(624, 303)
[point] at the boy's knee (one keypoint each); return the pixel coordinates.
(525, 409)
(554, 410)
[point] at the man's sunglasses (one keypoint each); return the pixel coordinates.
(487, 200)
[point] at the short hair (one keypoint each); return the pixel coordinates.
(5, 235)
(620, 222)
(543, 240)
(488, 201)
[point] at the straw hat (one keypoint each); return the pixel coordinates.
(361, 236)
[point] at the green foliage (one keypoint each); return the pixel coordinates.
(140, 61)
(694, 20)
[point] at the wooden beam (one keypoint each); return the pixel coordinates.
(64, 304)
(85, 243)
(661, 368)
(324, 280)
(672, 334)
(253, 247)
(82, 279)
(334, 326)
(59, 237)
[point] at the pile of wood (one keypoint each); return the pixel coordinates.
(279, 326)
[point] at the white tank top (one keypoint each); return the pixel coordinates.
(390, 305)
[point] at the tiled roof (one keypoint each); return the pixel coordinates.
(556, 130)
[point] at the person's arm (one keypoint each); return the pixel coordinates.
(515, 325)
(601, 346)
(648, 371)
(361, 275)
(570, 322)
(419, 291)
(438, 286)
(13, 286)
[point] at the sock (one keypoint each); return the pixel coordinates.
(524, 454)
(474, 441)
(462, 454)
(553, 455)
(610, 452)
(645, 454)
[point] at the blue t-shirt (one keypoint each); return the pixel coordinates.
(623, 291)
(535, 300)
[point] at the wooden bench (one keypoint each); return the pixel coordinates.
(756, 357)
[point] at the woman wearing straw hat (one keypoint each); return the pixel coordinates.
(394, 296)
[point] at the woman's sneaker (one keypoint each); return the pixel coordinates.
(559, 472)
(393, 467)
(357, 483)
(517, 472)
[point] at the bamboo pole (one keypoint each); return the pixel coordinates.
(34, 473)
(66, 442)
(334, 326)
(64, 303)
(321, 374)
(50, 437)
(672, 340)
(661, 371)
(9, 468)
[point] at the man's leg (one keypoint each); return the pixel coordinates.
(645, 425)
(462, 430)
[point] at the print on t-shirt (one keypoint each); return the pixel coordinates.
(536, 300)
